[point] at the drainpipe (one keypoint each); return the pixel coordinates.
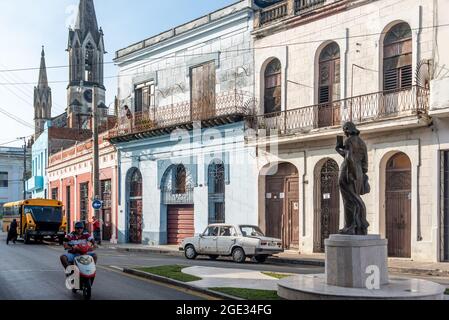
(345, 93)
(419, 237)
(304, 183)
(418, 37)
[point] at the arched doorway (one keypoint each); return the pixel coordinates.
(398, 203)
(135, 217)
(282, 205)
(177, 194)
(327, 204)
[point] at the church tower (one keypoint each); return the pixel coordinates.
(42, 99)
(86, 53)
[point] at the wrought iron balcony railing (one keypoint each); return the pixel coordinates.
(172, 197)
(365, 108)
(223, 108)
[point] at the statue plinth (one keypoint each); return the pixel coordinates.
(351, 260)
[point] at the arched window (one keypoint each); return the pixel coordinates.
(89, 62)
(180, 180)
(329, 74)
(216, 182)
(135, 185)
(397, 61)
(273, 87)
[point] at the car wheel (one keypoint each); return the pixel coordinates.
(238, 255)
(261, 259)
(190, 252)
(213, 257)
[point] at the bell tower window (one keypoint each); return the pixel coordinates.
(89, 63)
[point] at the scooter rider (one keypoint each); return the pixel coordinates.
(72, 240)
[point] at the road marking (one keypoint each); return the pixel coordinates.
(187, 291)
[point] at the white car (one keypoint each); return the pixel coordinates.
(238, 241)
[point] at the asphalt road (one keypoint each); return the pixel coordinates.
(34, 272)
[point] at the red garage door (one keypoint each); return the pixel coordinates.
(180, 224)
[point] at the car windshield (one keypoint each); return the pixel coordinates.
(251, 231)
(45, 214)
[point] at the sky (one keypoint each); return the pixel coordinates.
(27, 25)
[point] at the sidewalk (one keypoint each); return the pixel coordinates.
(403, 266)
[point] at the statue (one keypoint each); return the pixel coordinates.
(353, 180)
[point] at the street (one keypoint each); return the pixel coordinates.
(34, 273)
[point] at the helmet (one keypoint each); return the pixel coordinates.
(79, 225)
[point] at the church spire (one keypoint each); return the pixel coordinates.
(42, 98)
(43, 80)
(87, 20)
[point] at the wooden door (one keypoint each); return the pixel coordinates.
(398, 206)
(180, 223)
(291, 234)
(203, 82)
(274, 206)
(329, 86)
(106, 212)
(135, 221)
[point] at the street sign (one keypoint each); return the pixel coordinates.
(97, 204)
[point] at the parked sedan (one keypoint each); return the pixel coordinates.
(238, 241)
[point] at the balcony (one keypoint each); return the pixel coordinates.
(172, 197)
(288, 9)
(373, 109)
(225, 108)
(35, 184)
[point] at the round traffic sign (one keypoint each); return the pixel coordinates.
(97, 204)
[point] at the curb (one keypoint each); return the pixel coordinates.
(156, 251)
(180, 284)
(304, 262)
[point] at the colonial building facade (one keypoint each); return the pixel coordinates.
(70, 181)
(181, 149)
(380, 64)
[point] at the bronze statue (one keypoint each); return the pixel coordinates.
(353, 180)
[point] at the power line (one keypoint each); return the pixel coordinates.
(8, 76)
(15, 118)
(9, 142)
(173, 55)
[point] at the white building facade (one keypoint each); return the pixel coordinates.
(182, 158)
(380, 64)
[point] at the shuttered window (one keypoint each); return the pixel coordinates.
(203, 83)
(84, 201)
(273, 87)
(329, 74)
(145, 97)
(398, 71)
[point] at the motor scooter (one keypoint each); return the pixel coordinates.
(85, 270)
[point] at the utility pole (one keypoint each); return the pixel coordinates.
(24, 166)
(96, 160)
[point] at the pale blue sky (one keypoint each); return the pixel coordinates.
(26, 25)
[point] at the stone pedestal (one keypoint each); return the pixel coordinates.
(350, 260)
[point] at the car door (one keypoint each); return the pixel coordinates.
(226, 240)
(208, 241)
